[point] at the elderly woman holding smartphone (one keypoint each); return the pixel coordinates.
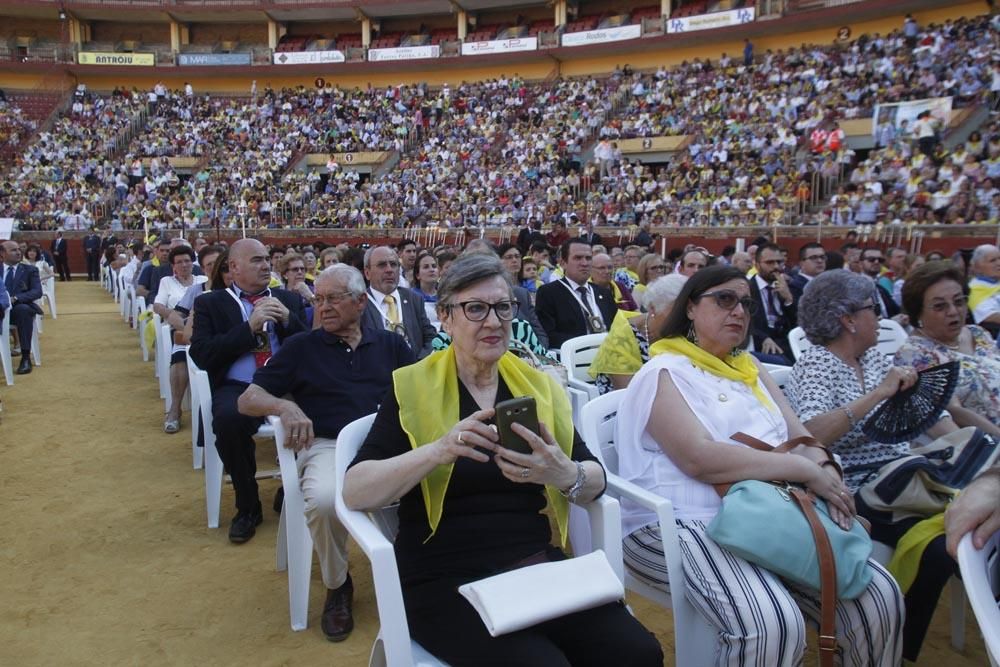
(470, 508)
(675, 431)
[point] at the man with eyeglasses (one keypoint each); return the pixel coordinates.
(871, 265)
(334, 375)
(572, 306)
(601, 274)
(812, 262)
(392, 307)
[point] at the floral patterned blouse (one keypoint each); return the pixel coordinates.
(979, 373)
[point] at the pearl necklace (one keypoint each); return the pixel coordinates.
(645, 329)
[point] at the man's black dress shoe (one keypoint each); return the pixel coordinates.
(337, 620)
(244, 526)
(25, 366)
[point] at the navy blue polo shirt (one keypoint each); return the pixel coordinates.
(331, 382)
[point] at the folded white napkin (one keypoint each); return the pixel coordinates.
(530, 595)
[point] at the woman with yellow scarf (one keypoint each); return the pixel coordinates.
(674, 433)
(469, 508)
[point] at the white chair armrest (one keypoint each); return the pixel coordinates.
(606, 530)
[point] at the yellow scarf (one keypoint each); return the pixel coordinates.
(910, 549)
(427, 393)
(619, 353)
(740, 367)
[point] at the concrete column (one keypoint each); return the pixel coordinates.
(560, 12)
(366, 32)
(175, 36)
(665, 8)
(463, 24)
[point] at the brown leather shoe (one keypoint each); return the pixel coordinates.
(337, 621)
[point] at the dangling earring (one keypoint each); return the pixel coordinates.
(692, 335)
(853, 330)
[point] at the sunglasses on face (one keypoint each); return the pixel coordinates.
(874, 306)
(727, 300)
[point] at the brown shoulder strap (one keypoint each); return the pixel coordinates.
(751, 441)
(827, 578)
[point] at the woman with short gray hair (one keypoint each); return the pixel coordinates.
(626, 347)
(834, 386)
(476, 267)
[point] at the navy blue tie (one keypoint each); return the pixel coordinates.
(8, 282)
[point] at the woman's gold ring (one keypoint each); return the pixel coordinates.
(525, 473)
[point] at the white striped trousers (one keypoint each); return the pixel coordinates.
(759, 616)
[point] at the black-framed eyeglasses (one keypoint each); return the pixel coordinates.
(874, 259)
(875, 307)
(815, 258)
(477, 311)
(727, 299)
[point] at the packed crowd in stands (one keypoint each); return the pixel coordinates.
(498, 151)
(14, 126)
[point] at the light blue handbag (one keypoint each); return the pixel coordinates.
(762, 523)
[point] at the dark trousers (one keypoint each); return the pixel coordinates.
(446, 624)
(234, 440)
(93, 266)
(62, 266)
(936, 568)
(22, 317)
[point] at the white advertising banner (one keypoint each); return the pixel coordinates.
(500, 46)
(6, 227)
(404, 53)
(308, 57)
(897, 112)
(600, 36)
(712, 21)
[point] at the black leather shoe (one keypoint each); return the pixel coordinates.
(337, 620)
(25, 366)
(244, 526)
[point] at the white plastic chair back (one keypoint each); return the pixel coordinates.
(780, 374)
(162, 358)
(694, 639)
(576, 355)
(36, 346)
(891, 336)
(981, 576)
(49, 294)
(213, 464)
(295, 546)
(5, 356)
(798, 342)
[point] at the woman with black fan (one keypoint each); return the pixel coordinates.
(835, 386)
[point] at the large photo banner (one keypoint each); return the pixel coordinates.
(897, 112)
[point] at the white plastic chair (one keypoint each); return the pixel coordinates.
(374, 532)
(576, 355)
(49, 294)
(197, 453)
(36, 347)
(162, 358)
(891, 336)
(140, 307)
(5, 356)
(694, 639)
(214, 472)
(980, 570)
(798, 342)
(295, 546)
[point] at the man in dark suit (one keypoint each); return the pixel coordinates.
(572, 306)
(60, 256)
(236, 330)
(871, 265)
(23, 288)
(392, 307)
(588, 235)
(812, 262)
(775, 315)
(92, 253)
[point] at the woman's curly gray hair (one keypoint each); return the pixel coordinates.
(828, 297)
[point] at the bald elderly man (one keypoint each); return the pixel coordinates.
(236, 331)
